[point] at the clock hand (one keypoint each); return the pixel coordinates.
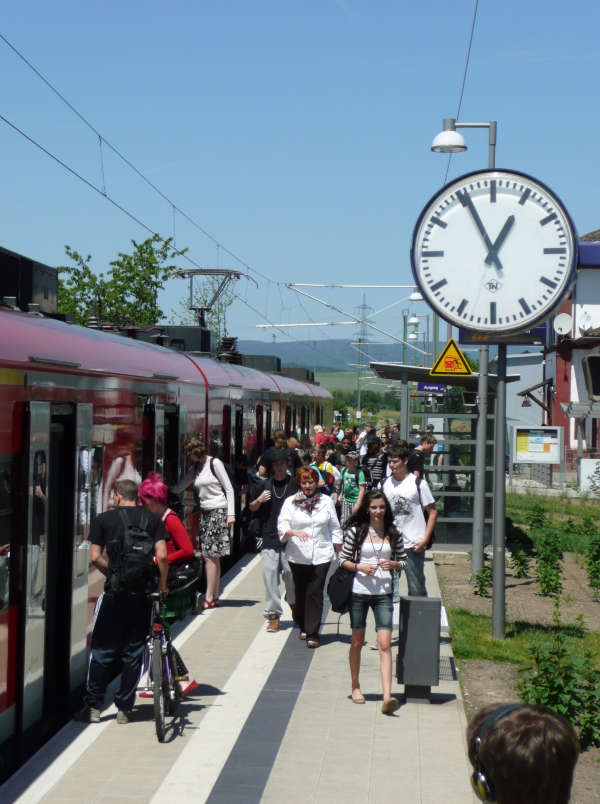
(465, 200)
(493, 253)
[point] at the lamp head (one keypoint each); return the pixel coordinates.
(413, 336)
(415, 296)
(413, 321)
(449, 141)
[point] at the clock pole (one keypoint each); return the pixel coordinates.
(499, 532)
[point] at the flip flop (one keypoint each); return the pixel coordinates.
(387, 707)
(360, 699)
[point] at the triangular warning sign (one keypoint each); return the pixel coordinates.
(451, 362)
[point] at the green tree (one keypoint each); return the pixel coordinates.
(216, 315)
(128, 294)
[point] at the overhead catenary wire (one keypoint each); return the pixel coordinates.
(137, 171)
(464, 79)
(96, 189)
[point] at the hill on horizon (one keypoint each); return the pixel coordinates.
(332, 355)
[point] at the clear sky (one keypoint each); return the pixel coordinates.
(296, 132)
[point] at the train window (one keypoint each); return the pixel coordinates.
(288, 421)
(238, 447)
(96, 483)
(258, 445)
(6, 516)
(294, 416)
(84, 482)
(303, 420)
(37, 580)
(226, 451)
(268, 424)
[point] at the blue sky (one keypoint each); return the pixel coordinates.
(296, 132)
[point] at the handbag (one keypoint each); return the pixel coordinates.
(425, 514)
(339, 590)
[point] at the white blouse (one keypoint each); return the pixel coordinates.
(215, 490)
(322, 526)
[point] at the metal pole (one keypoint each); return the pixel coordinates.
(404, 405)
(436, 337)
(480, 464)
(481, 437)
(404, 336)
(498, 597)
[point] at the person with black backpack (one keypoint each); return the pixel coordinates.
(124, 542)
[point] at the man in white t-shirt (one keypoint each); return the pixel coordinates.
(402, 493)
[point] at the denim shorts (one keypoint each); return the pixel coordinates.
(382, 609)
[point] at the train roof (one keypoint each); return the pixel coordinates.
(218, 374)
(38, 341)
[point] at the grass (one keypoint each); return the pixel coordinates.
(472, 638)
(519, 505)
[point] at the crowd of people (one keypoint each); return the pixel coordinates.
(356, 498)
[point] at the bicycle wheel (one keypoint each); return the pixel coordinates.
(173, 687)
(158, 689)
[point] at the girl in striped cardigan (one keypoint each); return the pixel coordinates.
(373, 549)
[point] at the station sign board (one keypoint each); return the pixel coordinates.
(537, 444)
(431, 388)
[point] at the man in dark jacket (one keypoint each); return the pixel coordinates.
(122, 616)
(274, 563)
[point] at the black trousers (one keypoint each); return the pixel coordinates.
(309, 581)
(118, 639)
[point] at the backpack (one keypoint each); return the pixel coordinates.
(230, 474)
(131, 564)
(329, 478)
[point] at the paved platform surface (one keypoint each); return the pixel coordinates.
(271, 721)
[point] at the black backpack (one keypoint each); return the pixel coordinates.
(131, 558)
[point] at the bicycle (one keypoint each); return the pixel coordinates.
(161, 667)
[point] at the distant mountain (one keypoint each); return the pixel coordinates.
(331, 354)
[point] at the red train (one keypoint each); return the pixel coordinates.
(80, 409)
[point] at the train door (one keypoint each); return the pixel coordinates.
(55, 601)
(238, 435)
(226, 441)
(153, 430)
(268, 424)
(82, 520)
(288, 421)
(259, 434)
(172, 448)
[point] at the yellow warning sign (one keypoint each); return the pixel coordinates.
(451, 362)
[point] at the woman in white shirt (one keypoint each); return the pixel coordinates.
(373, 549)
(309, 525)
(214, 494)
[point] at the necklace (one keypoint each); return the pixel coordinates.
(280, 496)
(375, 551)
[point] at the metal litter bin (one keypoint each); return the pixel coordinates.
(418, 662)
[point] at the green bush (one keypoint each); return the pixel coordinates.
(482, 581)
(592, 564)
(520, 563)
(564, 682)
(548, 550)
(536, 517)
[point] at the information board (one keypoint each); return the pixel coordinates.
(537, 444)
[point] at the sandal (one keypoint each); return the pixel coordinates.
(302, 635)
(387, 707)
(209, 604)
(358, 699)
(312, 643)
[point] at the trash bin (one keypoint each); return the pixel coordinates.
(418, 662)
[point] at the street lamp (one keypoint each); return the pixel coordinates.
(450, 141)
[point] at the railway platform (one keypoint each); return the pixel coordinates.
(270, 721)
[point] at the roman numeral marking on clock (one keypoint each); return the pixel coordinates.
(432, 253)
(493, 191)
(439, 284)
(548, 219)
(439, 222)
(461, 306)
(559, 250)
(492, 312)
(525, 306)
(548, 282)
(525, 196)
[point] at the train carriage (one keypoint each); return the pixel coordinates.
(79, 410)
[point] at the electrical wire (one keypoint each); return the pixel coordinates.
(464, 79)
(130, 164)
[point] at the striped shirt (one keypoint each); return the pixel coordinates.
(350, 545)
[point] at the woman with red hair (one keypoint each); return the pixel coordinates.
(309, 526)
(153, 494)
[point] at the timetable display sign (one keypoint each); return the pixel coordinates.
(537, 444)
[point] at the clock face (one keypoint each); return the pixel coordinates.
(494, 251)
